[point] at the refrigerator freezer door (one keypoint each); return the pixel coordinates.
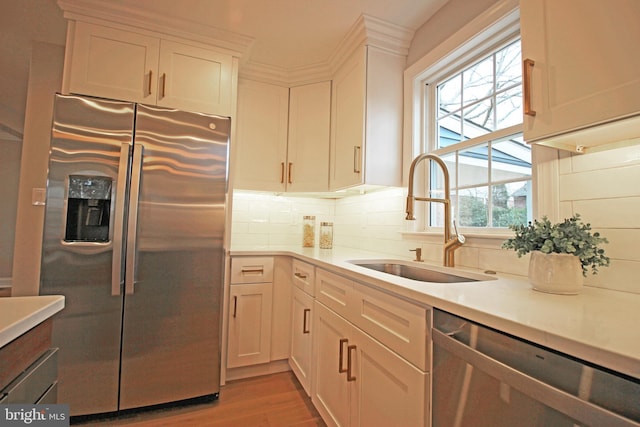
(171, 330)
(86, 142)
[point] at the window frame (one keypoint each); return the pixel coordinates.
(494, 27)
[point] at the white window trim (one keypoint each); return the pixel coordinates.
(502, 17)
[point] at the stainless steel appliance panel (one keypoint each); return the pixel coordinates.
(134, 232)
(174, 279)
(482, 377)
(87, 137)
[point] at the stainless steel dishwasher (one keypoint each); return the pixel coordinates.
(482, 377)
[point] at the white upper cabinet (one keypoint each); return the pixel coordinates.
(308, 142)
(261, 138)
(366, 120)
(283, 137)
(194, 78)
(143, 67)
(580, 58)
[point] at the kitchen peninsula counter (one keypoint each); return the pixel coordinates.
(597, 325)
(20, 314)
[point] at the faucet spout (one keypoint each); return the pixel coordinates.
(450, 244)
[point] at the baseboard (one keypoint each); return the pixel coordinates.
(257, 370)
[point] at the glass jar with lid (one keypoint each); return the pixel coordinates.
(326, 235)
(308, 231)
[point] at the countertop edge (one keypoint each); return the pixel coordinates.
(33, 311)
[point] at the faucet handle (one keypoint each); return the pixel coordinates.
(418, 252)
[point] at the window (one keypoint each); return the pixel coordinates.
(473, 121)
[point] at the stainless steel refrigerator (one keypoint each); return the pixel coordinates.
(133, 238)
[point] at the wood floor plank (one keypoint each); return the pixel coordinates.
(276, 400)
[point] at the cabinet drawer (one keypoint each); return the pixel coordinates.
(398, 324)
(335, 292)
(251, 270)
(303, 276)
(35, 381)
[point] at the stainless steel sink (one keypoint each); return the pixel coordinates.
(420, 273)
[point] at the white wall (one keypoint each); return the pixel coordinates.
(45, 77)
(446, 21)
(9, 175)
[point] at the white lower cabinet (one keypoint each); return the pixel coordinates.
(249, 325)
(301, 338)
(331, 388)
(250, 311)
(360, 382)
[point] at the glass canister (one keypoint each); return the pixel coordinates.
(326, 235)
(308, 231)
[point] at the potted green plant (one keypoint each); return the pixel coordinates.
(562, 254)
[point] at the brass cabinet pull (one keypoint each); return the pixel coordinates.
(305, 329)
(235, 306)
(164, 84)
(527, 70)
(350, 377)
(149, 88)
(290, 178)
(356, 159)
(341, 354)
(300, 275)
(282, 173)
(252, 270)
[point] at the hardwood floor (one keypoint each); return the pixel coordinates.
(276, 400)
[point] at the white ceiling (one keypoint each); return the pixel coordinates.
(286, 33)
(291, 33)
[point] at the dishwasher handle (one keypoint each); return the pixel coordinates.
(566, 403)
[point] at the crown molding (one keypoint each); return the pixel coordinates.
(287, 77)
(370, 31)
(101, 11)
(366, 31)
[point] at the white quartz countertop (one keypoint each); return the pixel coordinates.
(19, 314)
(598, 325)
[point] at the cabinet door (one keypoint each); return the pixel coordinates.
(301, 337)
(194, 79)
(584, 71)
(308, 142)
(348, 123)
(386, 390)
(249, 324)
(330, 392)
(260, 160)
(112, 63)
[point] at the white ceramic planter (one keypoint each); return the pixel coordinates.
(555, 273)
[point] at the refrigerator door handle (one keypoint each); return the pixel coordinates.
(117, 276)
(132, 223)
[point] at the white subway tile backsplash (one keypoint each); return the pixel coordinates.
(623, 243)
(601, 184)
(610, 213)
(619, 157)
(621, 275)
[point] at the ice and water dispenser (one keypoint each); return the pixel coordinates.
(88, 208)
